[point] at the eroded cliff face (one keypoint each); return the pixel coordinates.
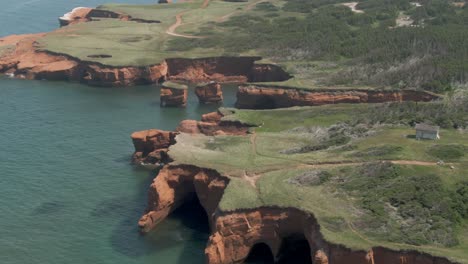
(25, 61)
(86, 14)
(268, 73)
(224, 69)
(212, 124)
(212, 128)
(235, 233)
(175, 185)
(210, 93)
(151, 146)
(256, 97)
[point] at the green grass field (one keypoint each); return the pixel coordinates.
(130, 43)
(357, 202)
(174, 85)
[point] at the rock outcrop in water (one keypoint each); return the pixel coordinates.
(151, 146)
(209, 93)
(259, 97)
(174, 95)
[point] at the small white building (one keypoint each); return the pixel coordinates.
(424, 131)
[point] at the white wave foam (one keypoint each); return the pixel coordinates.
(69, 15)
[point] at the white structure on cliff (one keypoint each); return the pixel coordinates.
(424, 131)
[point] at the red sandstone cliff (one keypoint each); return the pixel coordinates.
(151, 146)
(210, 93)
(257, 97)
(26, 61)
(234, 234)
(224, 69)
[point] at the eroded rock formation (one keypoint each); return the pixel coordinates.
(258, 97)
(209, 93)
(25, 61)
(151, 146)
(173, 97)
(212, 124)
(235, 233)
(175, 185)
(223, 69)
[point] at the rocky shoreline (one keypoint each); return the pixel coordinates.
(271, 97)
(233, 234)
(26, 61)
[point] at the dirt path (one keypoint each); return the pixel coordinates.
(173, 27)
(247, 8)
(252, 180)
(352, 6)
(301, 164)
(171, 30)
(205, 3)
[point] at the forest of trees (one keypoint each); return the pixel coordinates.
(431, 54)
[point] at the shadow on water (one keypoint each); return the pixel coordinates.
(295, 249)
(186, 228)
(125, 238)
(260, 254)
(124, 159)
(193, 216)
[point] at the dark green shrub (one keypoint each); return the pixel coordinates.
(447, 152)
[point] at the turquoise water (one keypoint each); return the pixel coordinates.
(32, 16)
(67, 191)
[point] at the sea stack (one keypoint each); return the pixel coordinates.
(209, 93)
(173, 94)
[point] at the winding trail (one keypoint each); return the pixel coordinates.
(171, 30)
(247, 8)
(179, 22)
(252, 179)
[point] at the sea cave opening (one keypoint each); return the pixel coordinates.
(260, 254)
(265, 103)
(295, 249)
(193, 215)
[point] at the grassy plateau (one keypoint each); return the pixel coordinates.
(368, 183)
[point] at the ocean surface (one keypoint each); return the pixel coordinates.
(67, 191)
